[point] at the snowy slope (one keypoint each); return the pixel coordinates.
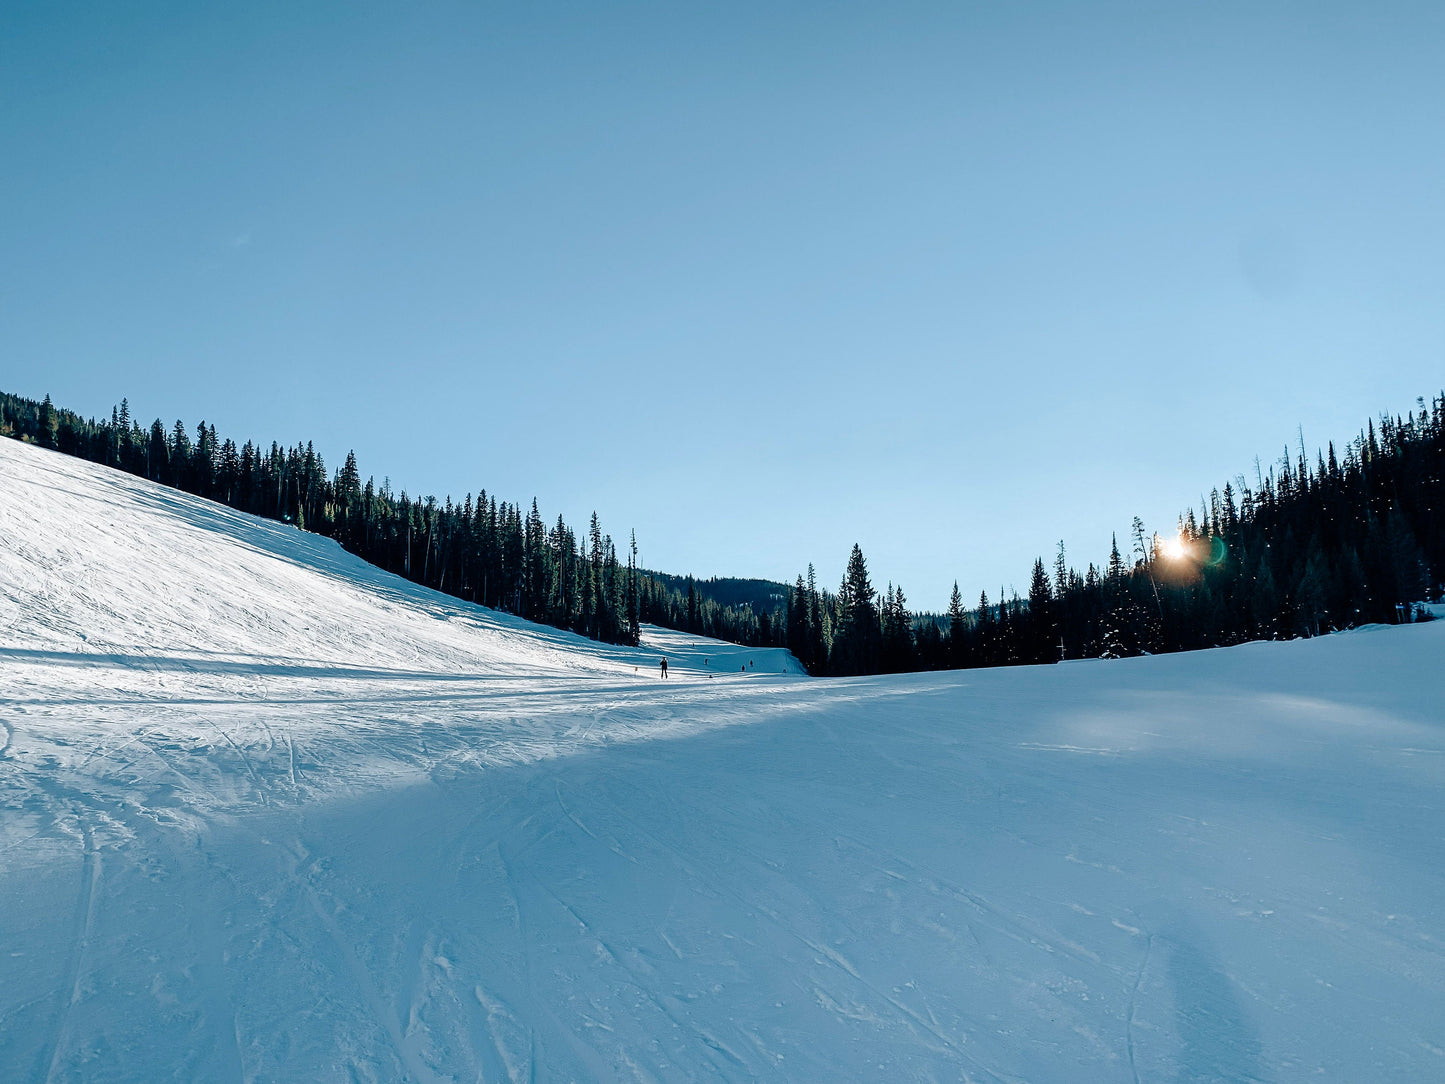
(269, 814)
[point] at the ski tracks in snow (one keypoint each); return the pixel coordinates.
(822, 953)
(366, 987)
(82, 928)
(596, 1068)
(1133, 1005)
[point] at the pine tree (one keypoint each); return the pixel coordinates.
(856, 644)
(820, 628)
(1115, 573)
(158, 458)
(957, 627)
(48, 432)
(1041, 618)
(799, 635)
(634, 601)
(898, 646)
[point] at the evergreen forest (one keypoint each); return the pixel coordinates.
(1355, 536)
(494, 553)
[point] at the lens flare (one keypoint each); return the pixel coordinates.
(1173, 548)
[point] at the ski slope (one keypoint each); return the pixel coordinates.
(268, 814)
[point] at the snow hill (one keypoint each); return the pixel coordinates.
(268, 814)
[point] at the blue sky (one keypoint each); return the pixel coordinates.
(952, 281)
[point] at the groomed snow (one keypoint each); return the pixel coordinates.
(268, 814)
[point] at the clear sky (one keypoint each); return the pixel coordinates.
(954, 281)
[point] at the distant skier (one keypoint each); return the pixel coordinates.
(664, 667)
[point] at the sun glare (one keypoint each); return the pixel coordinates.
(1172, 548)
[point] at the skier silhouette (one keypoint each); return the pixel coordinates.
(664, 667)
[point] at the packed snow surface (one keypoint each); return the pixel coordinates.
(268, 814)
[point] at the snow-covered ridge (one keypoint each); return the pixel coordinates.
(100, 558)
(267, 813)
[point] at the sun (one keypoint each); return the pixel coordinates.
(1172, 548)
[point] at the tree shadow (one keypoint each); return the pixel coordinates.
(244, 665)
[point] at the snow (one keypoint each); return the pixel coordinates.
(267, 813)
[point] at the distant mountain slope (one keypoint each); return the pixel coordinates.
(762, 596)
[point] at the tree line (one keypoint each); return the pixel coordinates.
(486, 551)
(1354, 537)
(698, 606)
(1357, 536)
